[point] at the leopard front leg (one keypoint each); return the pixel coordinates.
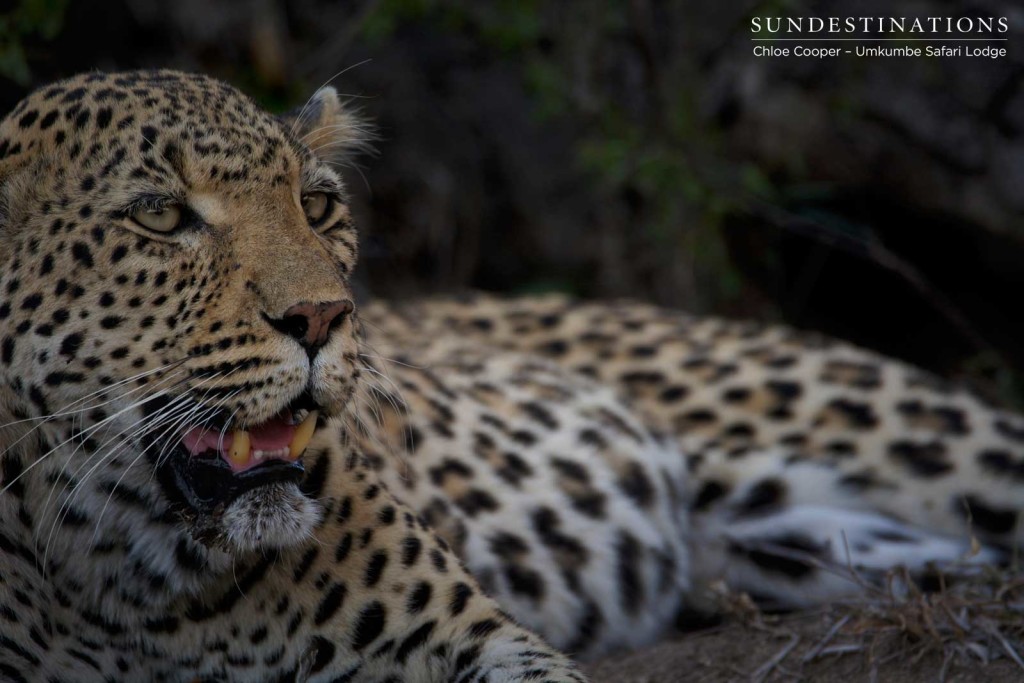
(376, 597)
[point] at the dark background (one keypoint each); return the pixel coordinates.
(635, 148)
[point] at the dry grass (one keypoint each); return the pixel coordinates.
(977, 618)
(969, 620)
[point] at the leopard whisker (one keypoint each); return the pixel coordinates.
(123, 443)
(206, 413)
(210, 411)
(86, 432)
(176, 411)
(91, 429)
(64, 411)
(302, 112)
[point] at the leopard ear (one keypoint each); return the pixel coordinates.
(332, 131)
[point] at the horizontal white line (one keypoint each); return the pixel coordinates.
(916, 40)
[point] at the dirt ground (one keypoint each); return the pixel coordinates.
(800, 648)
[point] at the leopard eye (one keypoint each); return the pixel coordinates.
(315, 204)
(164, 219)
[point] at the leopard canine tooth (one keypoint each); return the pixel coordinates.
(303, 435)
(240, 447)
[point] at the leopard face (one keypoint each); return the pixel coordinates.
(175, 306)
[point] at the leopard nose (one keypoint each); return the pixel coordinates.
(310, 323)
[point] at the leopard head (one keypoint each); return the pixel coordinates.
(176, 315)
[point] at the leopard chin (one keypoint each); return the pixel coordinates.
(272, 517)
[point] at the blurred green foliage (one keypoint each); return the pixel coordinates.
(29, 20)
(657, 157)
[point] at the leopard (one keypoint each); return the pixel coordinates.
(217, 465)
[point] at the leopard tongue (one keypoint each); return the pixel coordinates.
(242, 449)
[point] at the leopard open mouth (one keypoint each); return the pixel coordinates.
(212, 465)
